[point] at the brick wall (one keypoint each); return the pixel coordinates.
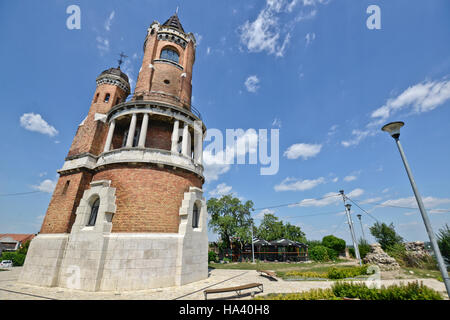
(65, 199)
(147, 199)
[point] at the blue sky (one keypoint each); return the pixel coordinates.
(310, 68)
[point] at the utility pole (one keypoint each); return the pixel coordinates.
(350, 225)
(253, 247)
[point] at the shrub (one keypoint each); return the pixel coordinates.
(17, 258)
(342, 273)
(332, 242)
(351, 251)
(444, 242)
(340, 290)
(313, 294)
(212, 256)
(332, 254)
(319, 253)
(398, 252)
(304, 274)
(410, 291)
(364, 248)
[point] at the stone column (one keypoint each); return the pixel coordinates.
(198, 146)
(143, 133)
(175, 136)
(186, 147)
(112, 126)
(131, 131)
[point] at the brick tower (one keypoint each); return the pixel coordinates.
(128, 211)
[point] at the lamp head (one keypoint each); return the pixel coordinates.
(348, 206)
(359, 216)
(393, 128)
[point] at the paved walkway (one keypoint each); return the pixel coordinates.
(10, 289)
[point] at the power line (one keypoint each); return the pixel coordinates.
(298, 202)
(362, 209)
(412, 208)
(18, 194)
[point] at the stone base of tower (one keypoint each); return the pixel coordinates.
(93, 260)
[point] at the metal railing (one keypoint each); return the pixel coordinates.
(145, 95)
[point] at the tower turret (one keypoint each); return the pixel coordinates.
(166, 72)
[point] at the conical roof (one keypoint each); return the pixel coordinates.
(174, 22)
(117, 72)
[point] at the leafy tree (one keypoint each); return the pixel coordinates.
(230, 218)
(24, 247)
(293, 233)
(443, 239)
(334, 243)
(271, 228)
(385, 235)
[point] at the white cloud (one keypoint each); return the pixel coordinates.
(358, 136)
(355, 193)
(422, 97)
(198, 38)
(276, 123)
(260, 215)
(208, 50)
(310, 37)
(220, 190)
(34, 122)
(336, 179)
(293, 184)
(303, 150)
(46, 186)
(350, 178)
(371, 200)
(419, 98)
(411, 202)
(108, 21)
(216, 164)
(331, 198)
(102, 45)
(252, 83)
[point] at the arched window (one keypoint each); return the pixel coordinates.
(169, 54)
(94, 212)
(96, 97)
(107, 97)
(195, 216)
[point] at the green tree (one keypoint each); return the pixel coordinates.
(385, 235)
(270, 228)
(334, 243)
(443, 239)
(230, 218)
(294, 233)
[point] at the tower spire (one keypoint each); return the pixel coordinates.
(122, 55)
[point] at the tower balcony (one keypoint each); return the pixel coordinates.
(162, 97)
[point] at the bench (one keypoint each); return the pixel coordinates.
(267, 273)
(237, 289)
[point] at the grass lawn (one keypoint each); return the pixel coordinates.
(278, 266)
(422, 273)
(281, 268)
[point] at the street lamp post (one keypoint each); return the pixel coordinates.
(393, 128)
(352, 231)
(362, 229)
